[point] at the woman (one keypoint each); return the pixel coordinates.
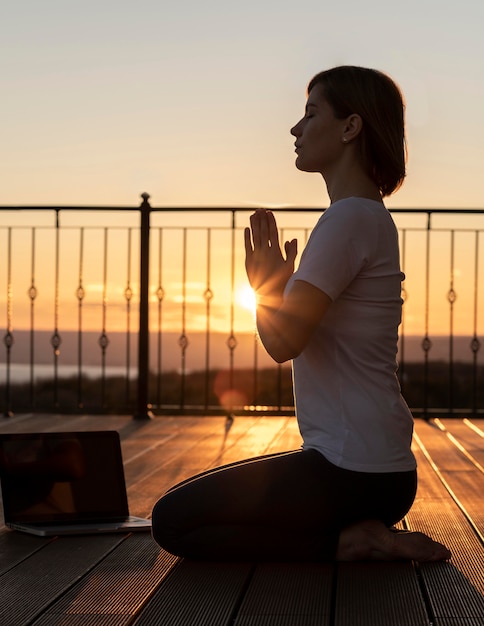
(337, 319)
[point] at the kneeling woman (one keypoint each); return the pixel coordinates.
(337, 319)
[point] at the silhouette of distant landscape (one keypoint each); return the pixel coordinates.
(245, 377)
(196, 352)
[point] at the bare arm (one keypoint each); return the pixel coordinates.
(285, 324)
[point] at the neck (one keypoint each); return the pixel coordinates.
(358, 189)
(350, 180)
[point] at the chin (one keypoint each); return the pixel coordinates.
(299, 163)
(304, 168)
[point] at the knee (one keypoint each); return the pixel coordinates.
(164, 529)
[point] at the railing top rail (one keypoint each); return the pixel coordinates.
(202, 209)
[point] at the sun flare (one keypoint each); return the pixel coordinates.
(245, 297)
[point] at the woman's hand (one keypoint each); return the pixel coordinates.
(267, 269)
(285, 322)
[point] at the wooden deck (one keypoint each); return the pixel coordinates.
(126, 579)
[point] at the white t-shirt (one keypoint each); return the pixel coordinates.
(348, 400)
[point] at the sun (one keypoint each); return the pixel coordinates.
(245, 297)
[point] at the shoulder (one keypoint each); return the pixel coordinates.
(352, 215)
(356, 207)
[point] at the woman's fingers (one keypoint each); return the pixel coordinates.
(264, 234)
(253, 227)
(291, 251)
(256, 224)
(264, 260)
(264, 228)
(273, 233)
(248, 242)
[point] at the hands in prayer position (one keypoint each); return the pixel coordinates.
(267, 269)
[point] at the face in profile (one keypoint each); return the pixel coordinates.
(319, 135)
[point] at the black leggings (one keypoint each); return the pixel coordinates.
(283, 507)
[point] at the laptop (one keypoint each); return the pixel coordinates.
(65, 484)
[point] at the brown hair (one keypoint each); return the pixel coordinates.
(378, 101)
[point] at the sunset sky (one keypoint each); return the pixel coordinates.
(192, 101)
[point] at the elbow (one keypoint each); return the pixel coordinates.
(281, 360)
(283, 353)
(282, 346)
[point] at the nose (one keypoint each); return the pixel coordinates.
(295, 130)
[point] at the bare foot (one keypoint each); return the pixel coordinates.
(372, 540)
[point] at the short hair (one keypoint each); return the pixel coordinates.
(379, 102)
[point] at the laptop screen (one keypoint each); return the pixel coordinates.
(61, 477)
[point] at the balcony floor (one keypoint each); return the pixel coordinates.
(126, 579)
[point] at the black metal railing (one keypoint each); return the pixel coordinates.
(138, 309)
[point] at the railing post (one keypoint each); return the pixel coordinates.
(143, 406)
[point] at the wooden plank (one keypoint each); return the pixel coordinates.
(261, 438)
(469, 434)
(151, 474)
(288, 438)
(51, 422)
(462, 477)
(232, 441)
(16, 547)
(83, 620)
(454, 589)
(29, 588)
(30, 423)
(197, 594)
(379, 593)
(434, 437)
(116, 588)
(282, 594)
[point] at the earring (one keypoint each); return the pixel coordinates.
(345, 140)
